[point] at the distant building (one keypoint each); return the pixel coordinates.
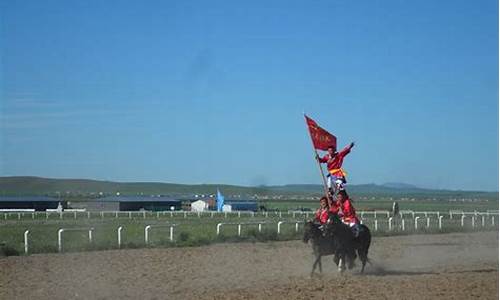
(199, 205)
(241, 205)
(37, 203)
(226, 208)
(133, 203)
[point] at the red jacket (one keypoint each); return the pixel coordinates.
(334, 164)
(322, 215)
(334, 208)
(348, 211)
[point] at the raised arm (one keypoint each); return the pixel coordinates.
(346, 150)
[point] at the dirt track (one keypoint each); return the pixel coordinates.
(450, 266)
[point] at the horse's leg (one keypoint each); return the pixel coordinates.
(363, 256)
(320, 267)
(341, 263)
(318, 258)
(336, 260)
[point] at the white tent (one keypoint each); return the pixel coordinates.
(199, 205)
(226, 207)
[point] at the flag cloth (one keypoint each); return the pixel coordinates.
(321, 138)
(220, 200)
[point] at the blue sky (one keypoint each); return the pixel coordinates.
(214, 91)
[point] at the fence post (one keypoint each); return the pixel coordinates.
(218, 228)
(59, 239)
(428, 222)
(473, 221)
(239, 229)
(416, 222)
(440, 222)
(390, 223)
(492, 220)
(260, 227)
(296, 226)
(482, 221)
(279, 226)
(26, 233)
(402, 224)
(74, 214)
(376, 225)
(171, 233)
(90, 235)
(120, 236)
(88, 215)
(146, 233)
(462, 220)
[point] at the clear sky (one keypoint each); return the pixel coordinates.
(214, 91)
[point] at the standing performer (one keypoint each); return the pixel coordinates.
(334, 160)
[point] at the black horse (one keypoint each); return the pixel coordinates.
(347, 244)
(322, 245)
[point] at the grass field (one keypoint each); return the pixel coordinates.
(193, 229)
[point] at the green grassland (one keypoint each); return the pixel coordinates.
(190, 229)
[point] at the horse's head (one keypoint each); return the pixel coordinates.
(307, 231)
(310, 231)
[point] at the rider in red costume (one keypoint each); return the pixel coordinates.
(322, 212)
(347, 212)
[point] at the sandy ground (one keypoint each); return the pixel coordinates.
(447, 266)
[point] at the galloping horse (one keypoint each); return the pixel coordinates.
(322, 245)
(347, 244)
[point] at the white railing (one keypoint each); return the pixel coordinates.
(148, 228)
(60, 235)
(76, 214)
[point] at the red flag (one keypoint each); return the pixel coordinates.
(321, 138)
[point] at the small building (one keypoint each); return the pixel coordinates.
(199, 205)
(36, 203)
(240, 205)
(133, 203)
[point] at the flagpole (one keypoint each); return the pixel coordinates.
(325, 187)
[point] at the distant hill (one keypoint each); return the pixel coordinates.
(26, 185)
(399, 185)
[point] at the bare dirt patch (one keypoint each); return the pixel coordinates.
(445, 266)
